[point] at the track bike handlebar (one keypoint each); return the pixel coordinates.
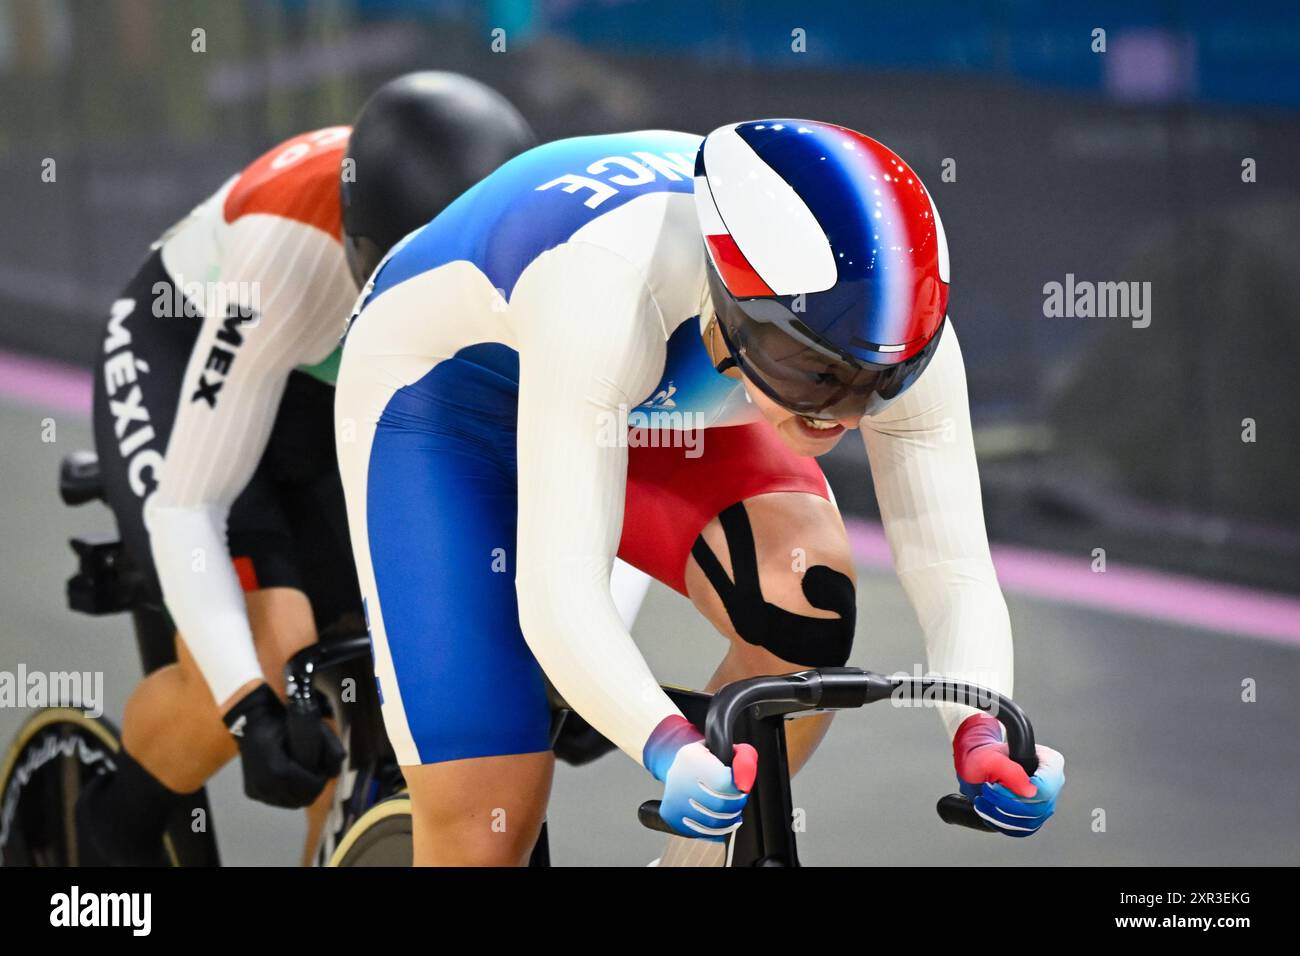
(840, 688)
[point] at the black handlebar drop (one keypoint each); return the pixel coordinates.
(303, 713)
(955, 808)
(648, 814)
(303, 722)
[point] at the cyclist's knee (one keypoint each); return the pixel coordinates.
(777, 576)
(475, 845)
(483, 811)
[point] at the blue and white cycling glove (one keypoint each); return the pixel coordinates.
(703, 797)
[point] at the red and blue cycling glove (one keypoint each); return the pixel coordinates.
(703, 797)
(1007, 798)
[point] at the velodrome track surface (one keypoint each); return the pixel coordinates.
(1145, 704)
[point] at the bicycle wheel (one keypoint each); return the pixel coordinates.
(380, 837)
(52, 757)
(57, 751)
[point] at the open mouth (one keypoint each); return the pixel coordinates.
(816, 428)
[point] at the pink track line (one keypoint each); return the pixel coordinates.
(40, 383)
(1124, 589)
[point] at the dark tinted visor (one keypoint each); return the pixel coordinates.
(792, 367)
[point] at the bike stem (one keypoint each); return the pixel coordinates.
(754, 712)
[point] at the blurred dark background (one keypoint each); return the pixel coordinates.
(1117, 166)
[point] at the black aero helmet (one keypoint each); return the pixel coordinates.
(419, 142)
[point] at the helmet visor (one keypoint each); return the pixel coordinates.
(792, 367)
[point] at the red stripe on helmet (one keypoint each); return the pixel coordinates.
(737, 274)
(929, 292)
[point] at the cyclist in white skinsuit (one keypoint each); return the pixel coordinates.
(572, 286)
(214, 429)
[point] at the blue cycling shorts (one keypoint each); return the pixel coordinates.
(432, 508)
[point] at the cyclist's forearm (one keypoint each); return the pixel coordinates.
(203, 594)
(574, 631)
(584, 357)
(967, 630)
(570, 511)
(922, 453)
(236, 378)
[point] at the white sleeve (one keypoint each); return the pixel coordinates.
(590, 340)
(922, 455)
(296, 280)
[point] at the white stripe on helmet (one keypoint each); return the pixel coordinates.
(771, 225)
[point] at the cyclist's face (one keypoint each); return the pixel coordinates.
(800, 434)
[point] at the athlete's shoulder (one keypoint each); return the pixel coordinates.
(602, 168)
(541, 198)
(297, 180)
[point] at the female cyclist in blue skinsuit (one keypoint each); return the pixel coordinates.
(774, 285)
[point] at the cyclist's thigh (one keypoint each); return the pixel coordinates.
(782, 499)
(672, 497)
(432, 509)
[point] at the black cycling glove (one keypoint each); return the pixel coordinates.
(260, 727)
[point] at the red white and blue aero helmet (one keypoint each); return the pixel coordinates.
(827, 263)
